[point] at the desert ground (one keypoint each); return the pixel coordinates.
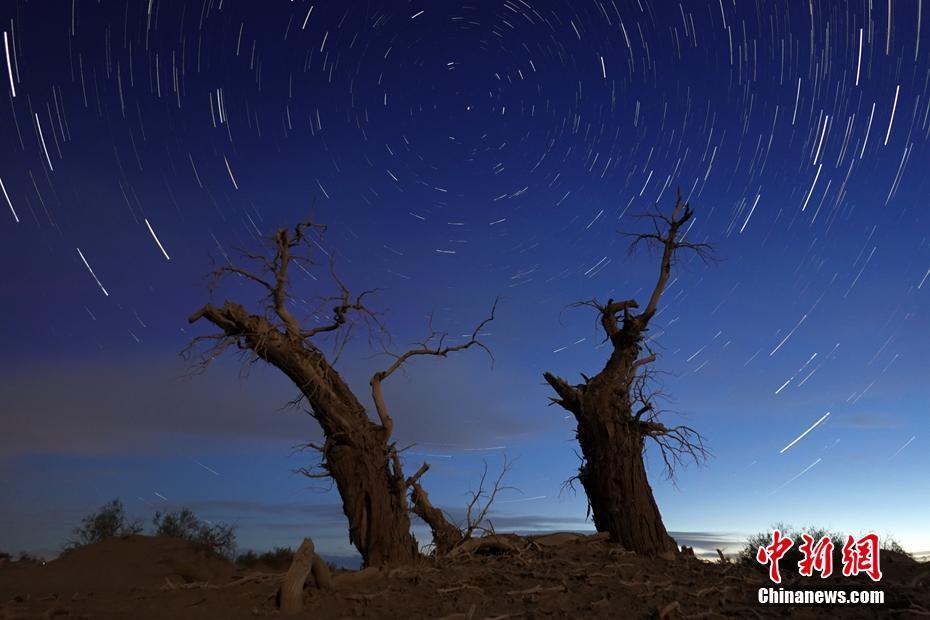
(559, 575)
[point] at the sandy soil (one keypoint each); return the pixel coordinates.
(555, 576)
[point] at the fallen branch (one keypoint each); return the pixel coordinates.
(537, 589)
(259, 577)
(557, 539)
(494, 543)
(464, 586)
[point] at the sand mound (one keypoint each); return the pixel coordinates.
(120, 564)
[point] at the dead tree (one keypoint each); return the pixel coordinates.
(616, 413)
(358, 453)
(446, 535)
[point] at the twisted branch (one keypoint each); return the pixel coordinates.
(426, 347)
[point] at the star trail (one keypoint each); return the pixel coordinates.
(457, 152)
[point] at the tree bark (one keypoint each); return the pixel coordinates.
(613, 473)
(614, 479)
(373, 501)
(445, 535)
(356, 453)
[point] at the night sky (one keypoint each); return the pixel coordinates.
(457, 152)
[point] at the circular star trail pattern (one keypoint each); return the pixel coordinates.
(460, 151)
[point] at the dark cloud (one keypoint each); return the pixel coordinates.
(327, 512)
(138, 406)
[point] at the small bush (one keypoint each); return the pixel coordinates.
(27, 558)
(247, 559)
(279, 557)
(890, 544)
(108, 522)
(219, 538)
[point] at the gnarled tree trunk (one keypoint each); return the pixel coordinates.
(356, 452)
(610, 433)
(614, 479)
(373, 499)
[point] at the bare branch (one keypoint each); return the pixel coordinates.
(415, 478)
(666, 236)
(476, 513)
(227, 269)
(569, 397)
(309, 473)
(425, 348)
(284, 242)
(445, 535)
(678, 445)
(221, 342)
(645, 360)
(608, 314)
(344, 306)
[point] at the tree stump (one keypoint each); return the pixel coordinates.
(292, 590)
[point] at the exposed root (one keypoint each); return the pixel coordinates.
(351, 580)
(557, 539)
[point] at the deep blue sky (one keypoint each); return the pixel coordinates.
(458, 152)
